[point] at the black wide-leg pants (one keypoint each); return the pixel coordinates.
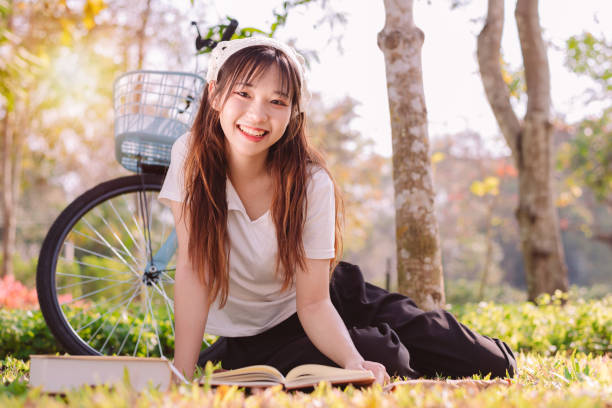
(385, 327)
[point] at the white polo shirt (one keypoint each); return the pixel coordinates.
(255, 302)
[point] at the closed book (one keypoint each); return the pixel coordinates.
(57, 374)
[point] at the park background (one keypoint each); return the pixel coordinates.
(58, 59)
(63, 138)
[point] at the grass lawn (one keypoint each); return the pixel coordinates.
(556, 381)
(565, 360)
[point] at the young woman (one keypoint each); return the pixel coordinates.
(257, 216)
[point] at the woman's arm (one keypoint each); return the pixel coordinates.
(322, 323)
(190, 302)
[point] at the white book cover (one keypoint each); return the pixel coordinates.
(57, 374)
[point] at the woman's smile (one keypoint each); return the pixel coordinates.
(252, 133)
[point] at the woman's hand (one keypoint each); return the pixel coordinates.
(379, 370)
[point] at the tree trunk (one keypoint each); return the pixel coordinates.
(141, 35)
(8, 201)
(530, 142)
(536, 213)
(418, 247)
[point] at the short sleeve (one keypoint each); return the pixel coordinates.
(320, 226)
(173, 188)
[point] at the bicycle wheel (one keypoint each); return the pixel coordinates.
(100, 286)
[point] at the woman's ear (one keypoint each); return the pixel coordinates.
(212, 98)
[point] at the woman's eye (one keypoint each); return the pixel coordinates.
(242, 93)
(279, 102)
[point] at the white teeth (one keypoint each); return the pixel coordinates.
(251, 132)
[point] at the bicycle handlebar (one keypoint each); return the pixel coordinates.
(210, 43)
(230, 30)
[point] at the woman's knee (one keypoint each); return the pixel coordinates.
(504, 362)
(490, 355)
(441, 344)
(383, 345)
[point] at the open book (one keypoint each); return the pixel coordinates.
(303, 376)
(56, 374)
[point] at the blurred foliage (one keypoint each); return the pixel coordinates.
(280, 15)
(515, 80)
(363, 176)
(65, 55)
(24, 270)
(589, 155)
(488, 186)
(546, 327)
(14, 295)
(59, 60)
(462, 291)
(585, 158)
(467, 160)
(25, 332)
(476, 197)
(591, 56)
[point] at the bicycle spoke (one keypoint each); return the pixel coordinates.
(127, 251)
(92, 279)
(163, 294)
(110, 202)
(97, 274)
(107, 312)
(139, 335)
(99, 327)
(170, 278)
(161, 353)
(90, 237)
(144, 213)
(91, 293)
(96, 266)
(102, 303)
(119, 319)
(135, 222)
(126, 337)
(112, 248)
(102, 256)
(162, 235)
(167, 303)
(97, 254)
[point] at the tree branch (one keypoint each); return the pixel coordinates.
(535, 59)
(489, 45)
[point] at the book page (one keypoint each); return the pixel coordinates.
(324, 372)
(258, 373)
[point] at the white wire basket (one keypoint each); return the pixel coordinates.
(152, 109)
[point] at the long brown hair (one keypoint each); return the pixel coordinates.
(289, 162)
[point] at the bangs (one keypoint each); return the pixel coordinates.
(249, 64)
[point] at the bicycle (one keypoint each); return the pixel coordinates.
(106, 266)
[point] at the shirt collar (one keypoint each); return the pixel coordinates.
(233, 200)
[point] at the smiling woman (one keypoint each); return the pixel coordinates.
(254, 116)
(258, 218)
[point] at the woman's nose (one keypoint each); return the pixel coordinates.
(257, 111)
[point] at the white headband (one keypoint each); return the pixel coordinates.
(225, 49)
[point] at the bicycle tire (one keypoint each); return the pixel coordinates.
(77, 247)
